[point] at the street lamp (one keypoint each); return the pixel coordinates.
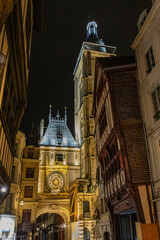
(3, 189)
(22, 203)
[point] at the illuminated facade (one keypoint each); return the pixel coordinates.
(16, 24)
(147, 49)
(9, 208)
(49, 172)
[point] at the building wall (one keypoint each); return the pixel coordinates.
(29, 161)
(10, 207)
(15, 43)
(121, 142)
(148, 36)
(69, 166)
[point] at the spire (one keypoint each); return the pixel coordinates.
(58, 114)
(65, 115)
(50, 112)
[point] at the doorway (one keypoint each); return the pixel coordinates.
(127, 228)
(50, 226)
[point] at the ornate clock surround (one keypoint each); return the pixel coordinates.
(55, 181)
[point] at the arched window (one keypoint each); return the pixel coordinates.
(86, 234)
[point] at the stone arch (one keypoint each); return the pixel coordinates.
(63, 211)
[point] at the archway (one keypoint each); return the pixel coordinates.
(50, 226)
(59, 213)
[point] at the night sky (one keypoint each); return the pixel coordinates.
(55, 50)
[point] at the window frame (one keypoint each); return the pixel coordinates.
(27, 175)
(26, 194)
(58, 157)
(150, 59)
(26, 215)
(157, 102)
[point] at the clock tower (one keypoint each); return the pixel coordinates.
(58, 152)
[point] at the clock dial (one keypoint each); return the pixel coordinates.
(56, 182)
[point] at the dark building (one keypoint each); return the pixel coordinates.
(121, 145)
(17, 19)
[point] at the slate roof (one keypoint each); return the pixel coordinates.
(58, 133)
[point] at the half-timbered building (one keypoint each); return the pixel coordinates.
(121, 145)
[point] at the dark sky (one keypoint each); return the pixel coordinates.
(56, 48)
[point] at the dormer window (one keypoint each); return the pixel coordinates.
(59, 137)
(59, 158)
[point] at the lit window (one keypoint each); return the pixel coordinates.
(150, 60)
(156, 102)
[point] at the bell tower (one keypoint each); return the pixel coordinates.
(84, 72)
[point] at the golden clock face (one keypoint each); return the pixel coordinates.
(56, 182)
